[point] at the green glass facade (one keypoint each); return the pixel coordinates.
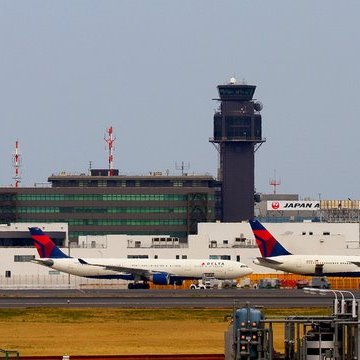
(115, 205)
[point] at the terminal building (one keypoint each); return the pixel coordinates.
(97, 204)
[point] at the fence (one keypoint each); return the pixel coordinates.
(64, 281)
(58, 281)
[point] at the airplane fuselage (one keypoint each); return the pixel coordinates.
(329, 265)
(184, 268)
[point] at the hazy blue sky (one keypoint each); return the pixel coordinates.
(70, 69)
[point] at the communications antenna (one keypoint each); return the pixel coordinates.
(17, 164)
(274, 182)
(182, 167)
(110, 141)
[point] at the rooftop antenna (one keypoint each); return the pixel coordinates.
(17, 164)
(182, 167)
(110, 141)
(275, 183)
(232, 81)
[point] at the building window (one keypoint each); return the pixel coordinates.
(220, 257)
(177, 183)
(23, 258)
(177, 257)
(184, 256)
(138, 256)
(238, 258)
(155, 256)
(54, 272)
(8, 274)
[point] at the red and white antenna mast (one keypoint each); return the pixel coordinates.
(17, 164)
(110, 141)
(275, 183)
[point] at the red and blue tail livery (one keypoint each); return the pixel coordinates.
(266, 243)
(44, 245)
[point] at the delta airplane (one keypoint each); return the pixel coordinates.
(139, 271)
(275, 256)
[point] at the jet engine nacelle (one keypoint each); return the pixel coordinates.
(161, 279)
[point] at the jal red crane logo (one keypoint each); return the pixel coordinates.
(275, 205)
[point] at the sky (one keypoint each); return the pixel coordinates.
(71, 69)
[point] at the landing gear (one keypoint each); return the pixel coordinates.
(138, 285)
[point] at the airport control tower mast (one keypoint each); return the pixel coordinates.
(237, 133)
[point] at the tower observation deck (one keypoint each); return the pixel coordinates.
(237, 132)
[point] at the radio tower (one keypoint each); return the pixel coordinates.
(274, 183)
(16, 161)
(110, 141)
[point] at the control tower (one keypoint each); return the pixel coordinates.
(237, 135)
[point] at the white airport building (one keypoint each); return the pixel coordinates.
(233, 241)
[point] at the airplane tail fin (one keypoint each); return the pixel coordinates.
(266, 243)
(44, 245)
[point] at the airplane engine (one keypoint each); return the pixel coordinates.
(161, 279)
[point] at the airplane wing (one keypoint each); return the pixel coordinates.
(357, 263)
(122, 269)
(270, 261)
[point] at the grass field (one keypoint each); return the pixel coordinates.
(46, 331)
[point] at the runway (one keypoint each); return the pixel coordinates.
(163, 298)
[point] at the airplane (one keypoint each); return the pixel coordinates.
(275, 256)
(139, 271)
